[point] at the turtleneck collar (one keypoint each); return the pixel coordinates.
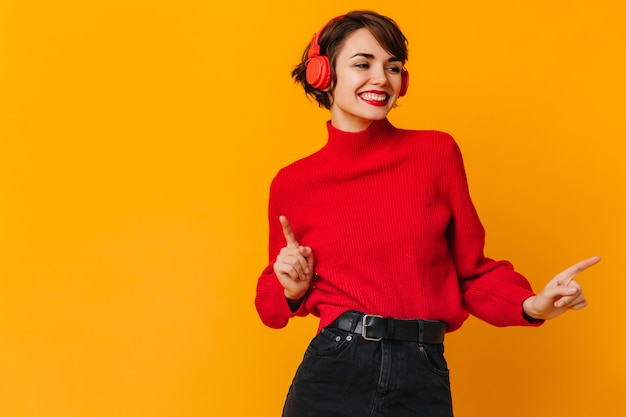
(379, 136)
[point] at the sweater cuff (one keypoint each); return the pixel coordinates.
(271, 303)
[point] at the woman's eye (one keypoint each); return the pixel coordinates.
(362, 65)
(394, 69)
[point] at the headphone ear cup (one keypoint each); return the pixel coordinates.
(405, 83)
(318, 72)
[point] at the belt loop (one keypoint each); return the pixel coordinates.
(354, 321)
(390, 327)
(420, 336)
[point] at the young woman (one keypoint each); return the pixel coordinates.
(376, 235)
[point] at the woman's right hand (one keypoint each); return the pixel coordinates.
(294, 265)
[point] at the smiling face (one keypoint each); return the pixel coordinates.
(368, 82)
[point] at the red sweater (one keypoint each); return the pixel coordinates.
(393, 230)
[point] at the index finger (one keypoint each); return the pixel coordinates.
(566, 276)
(288, 232)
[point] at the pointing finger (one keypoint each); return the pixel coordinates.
(566, 276)
(288, 232)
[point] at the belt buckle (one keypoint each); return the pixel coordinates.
(364, 328)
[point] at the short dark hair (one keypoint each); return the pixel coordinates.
(384, 30)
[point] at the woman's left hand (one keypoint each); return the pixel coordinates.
(562, 293)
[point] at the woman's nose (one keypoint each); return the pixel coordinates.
(379, 77)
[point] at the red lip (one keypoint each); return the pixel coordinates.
(376, 103)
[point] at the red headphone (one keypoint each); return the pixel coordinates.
(318, 71)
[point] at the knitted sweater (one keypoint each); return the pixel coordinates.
(388, 215)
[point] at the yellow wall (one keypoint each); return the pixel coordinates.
(137, 142)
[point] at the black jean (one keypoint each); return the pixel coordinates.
(344, 375)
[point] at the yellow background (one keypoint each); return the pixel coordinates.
(137, 142)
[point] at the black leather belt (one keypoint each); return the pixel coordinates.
(376, 328)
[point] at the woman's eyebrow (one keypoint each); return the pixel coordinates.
(364, 55)
(371, 56)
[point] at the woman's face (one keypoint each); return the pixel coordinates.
(368, 82)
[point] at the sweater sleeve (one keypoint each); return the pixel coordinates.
(270, 301)
(492, 290)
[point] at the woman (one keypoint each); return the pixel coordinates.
(376, 235)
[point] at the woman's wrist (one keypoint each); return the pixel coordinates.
(294, 304)
(528, 312)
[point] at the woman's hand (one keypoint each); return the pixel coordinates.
(562, 293)
(294, 265)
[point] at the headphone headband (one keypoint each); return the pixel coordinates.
(314, 48)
